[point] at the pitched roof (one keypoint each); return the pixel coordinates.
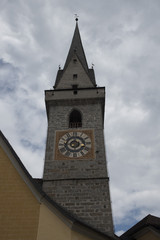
(35, 186)
(148, 221)
(76, 48)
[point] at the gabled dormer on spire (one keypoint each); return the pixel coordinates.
(75, 73)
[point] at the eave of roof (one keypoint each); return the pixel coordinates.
(149, 220)
(144, 232)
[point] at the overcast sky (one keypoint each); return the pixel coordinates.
(122, 39)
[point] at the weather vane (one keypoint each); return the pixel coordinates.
(76, 17)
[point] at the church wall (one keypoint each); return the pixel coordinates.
(80, 186)
(59, 120)
(78, 236)
(19, 209)
(51, 227)
(86, 199)
(75, 171)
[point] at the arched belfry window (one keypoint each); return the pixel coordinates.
(75, 119)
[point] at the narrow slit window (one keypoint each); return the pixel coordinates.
(75, 86)
(75, 76)
(75, 119)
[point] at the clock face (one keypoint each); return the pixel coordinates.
(74, 144)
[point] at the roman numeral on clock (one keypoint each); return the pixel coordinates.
(62, 150)
(74, 154)
(82, 153)
(68, 135)
(61, 144)
(86, 148)
(86, 138)
(67, 154)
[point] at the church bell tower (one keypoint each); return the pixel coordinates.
(75, 171)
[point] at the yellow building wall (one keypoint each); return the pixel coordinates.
(52, 227)
(78, 236)
(22, 217)
(19, 209)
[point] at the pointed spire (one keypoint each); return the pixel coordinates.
(77, 48)
(76, 51)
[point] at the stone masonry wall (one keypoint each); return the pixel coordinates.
(88, 200)
(80, 186)
(62, 169)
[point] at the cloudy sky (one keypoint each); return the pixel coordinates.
(122, 39)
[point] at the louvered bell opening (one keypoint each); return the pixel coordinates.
(75, 119)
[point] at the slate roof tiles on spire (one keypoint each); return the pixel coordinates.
(77, 48)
